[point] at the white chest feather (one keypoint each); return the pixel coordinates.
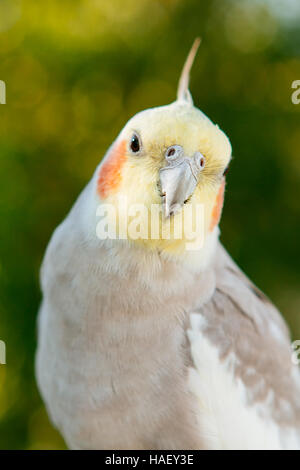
(226, 421)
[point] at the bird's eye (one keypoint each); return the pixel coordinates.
(135, 143)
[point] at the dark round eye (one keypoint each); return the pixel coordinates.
(135, 143)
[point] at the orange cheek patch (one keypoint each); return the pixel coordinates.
(110, 172)
(217, 210)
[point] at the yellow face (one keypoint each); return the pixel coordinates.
(131, 173)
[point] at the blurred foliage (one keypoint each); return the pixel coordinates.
(75, 71)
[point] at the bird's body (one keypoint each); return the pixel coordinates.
(144, 344)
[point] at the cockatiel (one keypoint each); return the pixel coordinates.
(161, 342)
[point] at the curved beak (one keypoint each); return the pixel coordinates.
(179, 178)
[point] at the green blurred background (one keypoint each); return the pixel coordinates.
(75, 71)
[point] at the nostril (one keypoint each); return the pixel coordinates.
(174, 153)
(199, 160)
(171, 152)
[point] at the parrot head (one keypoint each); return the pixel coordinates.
(164, 175)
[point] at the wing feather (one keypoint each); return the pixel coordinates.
(252, 342)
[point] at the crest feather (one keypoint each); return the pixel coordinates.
(183, 93)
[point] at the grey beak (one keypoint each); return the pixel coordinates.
(179, 178)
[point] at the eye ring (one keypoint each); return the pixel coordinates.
(135, 143)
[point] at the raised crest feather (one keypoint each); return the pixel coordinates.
(183, 93)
